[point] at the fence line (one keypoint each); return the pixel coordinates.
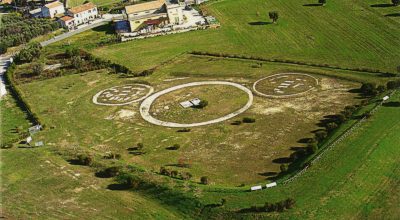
(337, 140)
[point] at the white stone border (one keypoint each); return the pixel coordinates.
(146, 104)
(151, 90)
(282, 96)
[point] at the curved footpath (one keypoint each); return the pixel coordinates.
(146, 104)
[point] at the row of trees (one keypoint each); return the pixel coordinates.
(16, 30)
(272, 207)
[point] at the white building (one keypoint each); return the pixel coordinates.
(83, 14)
(67, 22)
(174, 11)
(52, 9)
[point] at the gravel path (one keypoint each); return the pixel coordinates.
(4, 62)
(146, 104)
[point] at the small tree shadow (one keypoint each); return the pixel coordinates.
(385, 5)
(391, 104)
(304, 141)
(268, 174)
(312, 5)
(282, 160)
(74, 162)
(116, 186)
(255, 23)
(393, 15)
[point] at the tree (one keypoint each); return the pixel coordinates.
(393, 84)
(77, 62)
(186, 176)
(396, 2)
(273, 15)
(322, 2)
(37, 68)
(248, 120)
(223, 202)
(331, 126)
(381, 88)
(368, 89)
(204, 180)
(86, 160)
(284, 167)
(312, 148)
(320, 135)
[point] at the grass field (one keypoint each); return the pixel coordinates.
(13, 120)
(357, 179)
(343, 33)
(73, 3)
(120, 128)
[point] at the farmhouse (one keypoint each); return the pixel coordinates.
(52, 9)
(79, 15)
(152, 15)
(83, 14)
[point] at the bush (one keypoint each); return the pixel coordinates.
(381, 88)
(284, 168)
(202, 104)
(111, 171)
(37, 69)
(312, 148)
(28, 53)
(130, 181)
(186, 176)
(204, 180)
(86, 160)
(331, 126)
(393, 84)
(320, 135)
(368, 89)
(248, 120)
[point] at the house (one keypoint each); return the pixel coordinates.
(52, 9)
(83, 14)
(152, 15)
(36, 13)
(67, 22)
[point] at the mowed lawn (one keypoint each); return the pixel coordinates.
(343, 33)
(359, 178)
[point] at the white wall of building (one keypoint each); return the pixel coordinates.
(84, 16)
(51, 12)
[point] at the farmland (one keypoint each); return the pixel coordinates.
(310, 66)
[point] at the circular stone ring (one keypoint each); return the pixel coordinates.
(146, 104)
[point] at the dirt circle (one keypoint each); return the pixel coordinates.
(285, 85)
(147, 103)
(122, 95)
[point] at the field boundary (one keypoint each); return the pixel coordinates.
(337, 140)
(294, 62)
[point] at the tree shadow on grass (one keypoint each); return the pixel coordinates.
(74, 162)
(268, 174)
(116, 186)
(393, 15)
(303, 141)
(391, 104)
(282, 160)
(385, 5)
(312, 5)
(255, 23)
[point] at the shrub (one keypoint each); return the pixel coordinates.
(393, 84)
(368, 89)
(322, 2)
(273, 15)
(331, 126)
(37, 69)
(129, 180)
(320, 135)
(248, 120)
(395, 2)
(86, 160)
(380, 88)
(284, 168)
(202, 104)
(186, 176)
(174, 173)
(111, 171)
(312, 148)
(204, 180)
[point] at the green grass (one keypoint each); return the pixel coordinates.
(358, 179)
(73, 3)
(343, 33)
(36, 184)
(11, 117)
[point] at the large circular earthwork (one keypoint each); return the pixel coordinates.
(122, 95)
(285, 85)
(146, 105)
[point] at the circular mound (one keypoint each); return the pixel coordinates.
(285, 85)
(122, 95)
(148, 102)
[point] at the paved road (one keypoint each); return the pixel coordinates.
(4, 62)
(106, 18)
(146, 104)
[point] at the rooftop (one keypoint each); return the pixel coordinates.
(82, 8)
(144, 6)
(66, 18)
(53, 4)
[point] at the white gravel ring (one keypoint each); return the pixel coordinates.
(151, 90)
(283, 96)
(146, 104)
